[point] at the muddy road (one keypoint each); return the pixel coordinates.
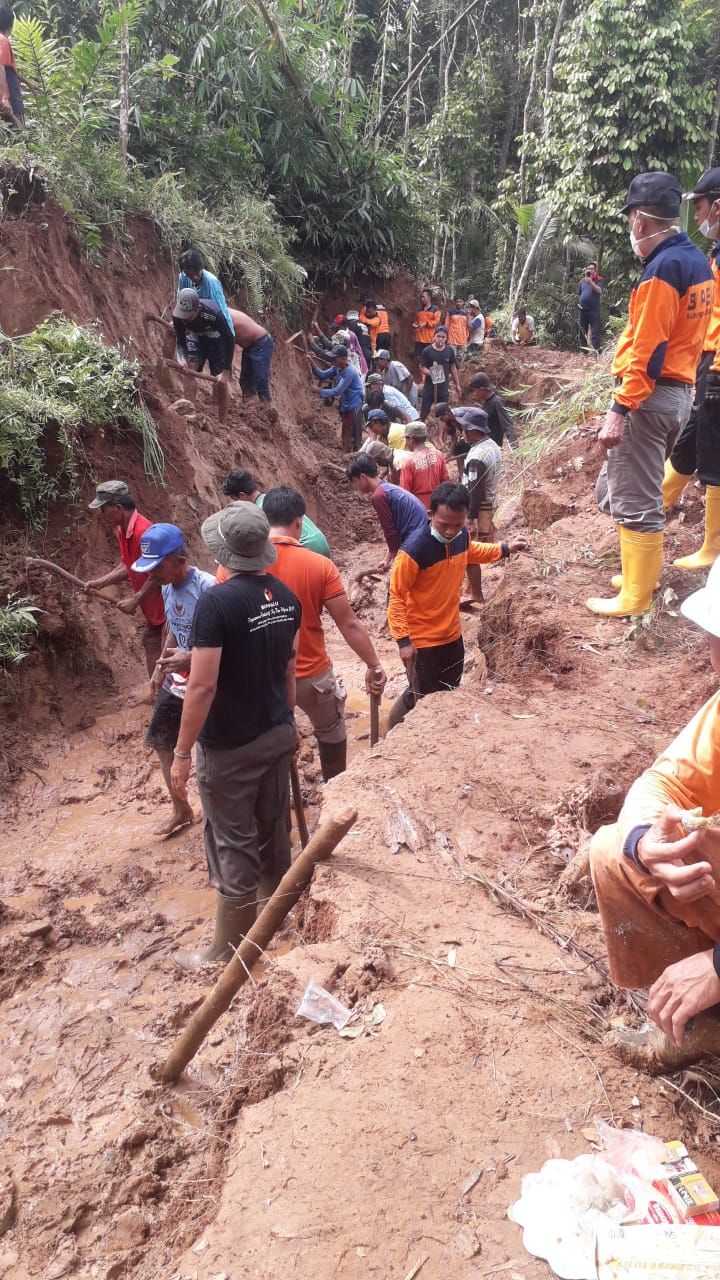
(286, 1149)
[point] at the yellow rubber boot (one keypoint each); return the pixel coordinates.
(710, 549)
(673, 485)
(641, 557)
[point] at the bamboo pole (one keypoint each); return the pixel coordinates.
(294, 882)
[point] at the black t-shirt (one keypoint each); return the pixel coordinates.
(254, 621)
(442, 360)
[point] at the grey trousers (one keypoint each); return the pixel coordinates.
(629, 487)
(322, 698)
(244, 793)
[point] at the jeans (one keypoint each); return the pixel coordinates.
(589, 319)
(255, 368)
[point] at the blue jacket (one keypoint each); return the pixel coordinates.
(347, 384)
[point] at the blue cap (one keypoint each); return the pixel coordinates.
(377, 415)
(157, 542)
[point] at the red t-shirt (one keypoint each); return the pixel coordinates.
(7, 57)
(422, 472)
(129, 544)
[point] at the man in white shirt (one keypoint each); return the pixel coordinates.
(476, 328)
(523, 329)
(380, 395)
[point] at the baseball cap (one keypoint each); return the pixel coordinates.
(185, 303)
(109, 491)
(157, 542)
(339, 351)
(441, 329)
(415, 431)
(708, 184)
(659, 189)
(375, 378)
(377, 415)
(352, 315)
(239, 538)
(703, 606)
(338, 321)
(441, 408)
(479, 382)
(382, 355)
(473, 302)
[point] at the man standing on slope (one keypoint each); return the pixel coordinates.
(426, 468)
(698, 445)
(317, 584)
(238, 708)
(654, 368)
(193, 274)
(346, 383)
(203, 324)
(425, 587)
(118, 512)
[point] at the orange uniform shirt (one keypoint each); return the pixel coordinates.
(427, 322)
(426, 583)
(712, 336)
(457, 327)
(667, 322)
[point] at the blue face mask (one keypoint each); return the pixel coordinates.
(440, 537)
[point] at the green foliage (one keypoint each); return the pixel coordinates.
(56, 385)
(18, 628)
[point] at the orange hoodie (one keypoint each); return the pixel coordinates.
(427, 322)
(426, 583)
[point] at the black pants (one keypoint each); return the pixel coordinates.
(383, 342)
(436, 670)
(589, 319)
(698, 446)
(433, 393)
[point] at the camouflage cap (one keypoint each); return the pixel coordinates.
(110, 491)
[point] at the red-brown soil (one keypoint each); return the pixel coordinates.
(287, 1150)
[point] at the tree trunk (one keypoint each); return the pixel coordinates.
(408, 89)
(414, 71)
(714, 128)
(524, 274)
(347, 60)
(550, 68)
(383, 61)
(527, 112)
(124, 127)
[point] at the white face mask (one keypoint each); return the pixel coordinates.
(440, 537)
(708, 228)
(636, 241)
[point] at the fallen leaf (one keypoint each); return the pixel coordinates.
(635, 1102)
(351, 1033)
(378, 1015)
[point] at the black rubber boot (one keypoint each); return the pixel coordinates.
(333, 758)
(234, 918)
(400, 708)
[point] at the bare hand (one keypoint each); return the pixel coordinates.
(685, 989)
(225, 376)
(383, 568)
(129, 605)
(6, 110)
(156, 682)
(472, 528)
(179, 774)
(677, 859)
(408, 653)
(612, 430)
(182, 362)
(175, 660)
(375, 680)
(518, 544)
(93, 584)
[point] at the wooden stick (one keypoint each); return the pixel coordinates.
(188, 373)
(292, 337)
(374, 719)
(33, 562)
(236, 972)
(298, 805)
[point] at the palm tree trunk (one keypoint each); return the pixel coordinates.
(525, 273)
(549, 69)
(124, 123)
(527, 112)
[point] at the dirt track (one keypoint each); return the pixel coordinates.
(289, 1150)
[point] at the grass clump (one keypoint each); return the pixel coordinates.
(546, 423)
(18, 629)
(57, 384)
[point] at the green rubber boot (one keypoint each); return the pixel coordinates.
(234, 918)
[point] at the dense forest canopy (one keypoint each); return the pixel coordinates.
(485, 146)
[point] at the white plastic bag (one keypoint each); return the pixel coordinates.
(318, 1005)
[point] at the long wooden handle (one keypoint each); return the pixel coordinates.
(298, 805)
(34, 562)
(294, 882)
(187, 373)
(374, 719)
